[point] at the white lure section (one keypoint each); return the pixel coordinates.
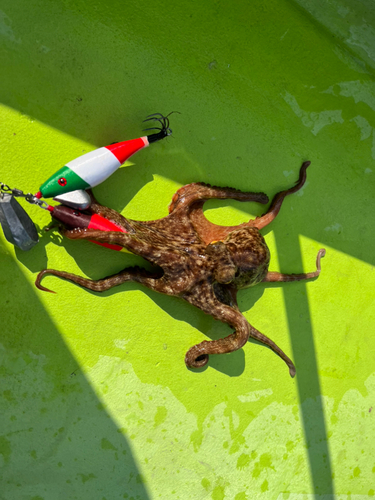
(96, 166)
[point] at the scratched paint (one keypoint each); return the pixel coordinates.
(96, 401)
(314, 121)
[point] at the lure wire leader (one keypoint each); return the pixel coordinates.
(18, 193)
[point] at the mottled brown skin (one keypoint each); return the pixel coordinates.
(201, 262)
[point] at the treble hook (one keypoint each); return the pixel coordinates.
(164, 129)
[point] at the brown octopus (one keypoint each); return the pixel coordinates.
(201, 262)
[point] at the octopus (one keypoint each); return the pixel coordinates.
(202, 263)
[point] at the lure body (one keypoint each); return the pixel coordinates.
(93, 168)
(90, 169)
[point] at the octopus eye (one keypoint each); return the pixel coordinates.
(62, 181)
(77, 214)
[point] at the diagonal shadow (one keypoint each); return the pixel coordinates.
(305, 360)
(54, 431)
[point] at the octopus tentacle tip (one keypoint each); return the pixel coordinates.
(198, 362)
(292, 371)
(321, 254)
(43, 288)
(39, 279)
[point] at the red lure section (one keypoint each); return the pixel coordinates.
(72, 218)
(103, 224)
(124, 150)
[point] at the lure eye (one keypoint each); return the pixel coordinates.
(62, 181)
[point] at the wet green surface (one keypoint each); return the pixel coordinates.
(96, 401)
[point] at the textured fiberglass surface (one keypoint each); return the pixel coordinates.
(96, 402)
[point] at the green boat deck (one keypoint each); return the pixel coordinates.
(95, 400)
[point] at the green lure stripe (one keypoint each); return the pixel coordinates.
(63, 181)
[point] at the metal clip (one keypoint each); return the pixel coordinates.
(18, 193)
(31, 198)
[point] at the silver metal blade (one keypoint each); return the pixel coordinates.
(75, 199)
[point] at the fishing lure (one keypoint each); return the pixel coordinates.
(68, 185)
(95, 167)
